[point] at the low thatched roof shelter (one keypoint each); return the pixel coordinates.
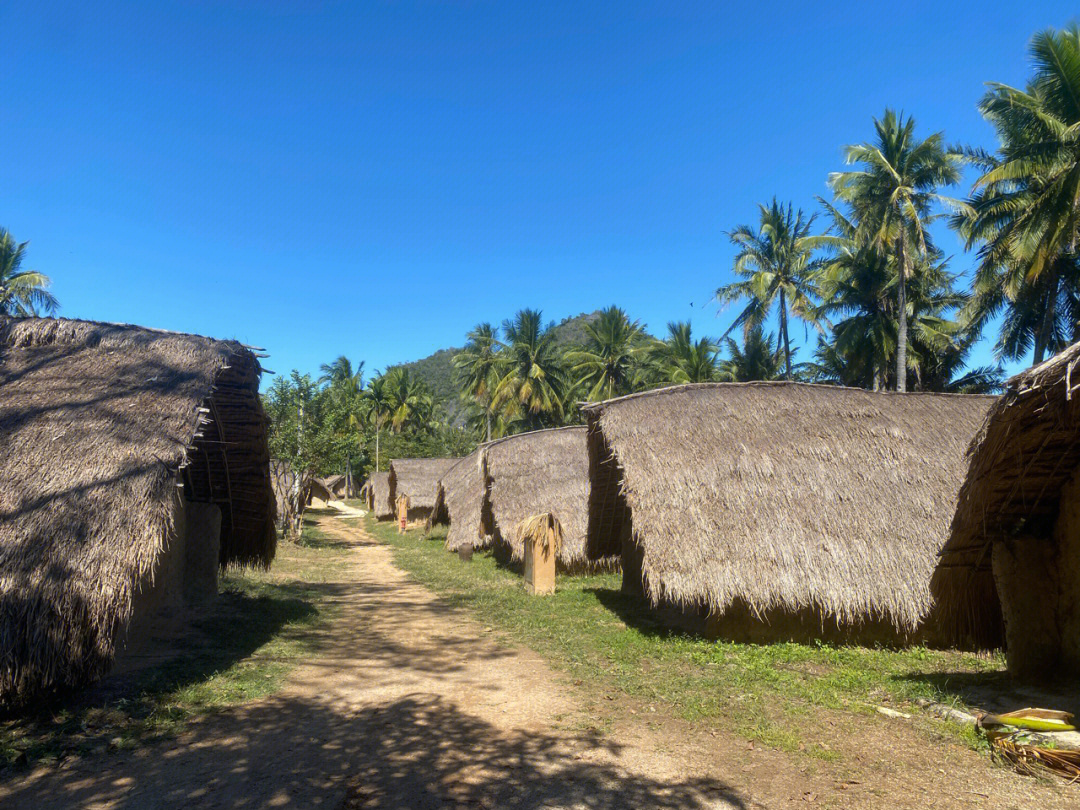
(459, 502)
(382, 505)
(537, 472)
(335, 485)
(107, 430)
(810, 503)
(417, 478)
(1010, 571)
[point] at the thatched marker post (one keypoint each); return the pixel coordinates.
(542, 536)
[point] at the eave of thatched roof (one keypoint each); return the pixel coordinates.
(1026, 451)
(418, 478)
(536, 472)
(100, 423)
(783, 495)
(460, 502)
(382, 505)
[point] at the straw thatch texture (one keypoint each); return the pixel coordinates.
(541, 471)
(418, 478)
(782, 495)
(460, 502)
(1027, 451)
(99, 424)
(335, 484)
(381, 502)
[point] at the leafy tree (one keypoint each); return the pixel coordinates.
(22, 292)
(1025, 209)
(477, 367)
(777, 269)
(894, 196)
(760, 358)
(378, 408)
(411, 405)
(531, 387)
(608, 361)
(680, 359)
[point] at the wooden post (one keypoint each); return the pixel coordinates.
(402, 513)
(539, 567)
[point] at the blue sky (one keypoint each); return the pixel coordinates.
(375, 178)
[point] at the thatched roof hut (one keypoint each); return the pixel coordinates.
(1010, 571)
(537, 472)
(803, 505)
(335, 485)
(417, 478)
(382, 505)
(459, 502)
(107, 431)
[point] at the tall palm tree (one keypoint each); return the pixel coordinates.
(478, 369)
(340, 372)
(1025, 209)
(680, 359)
(377, 400)
(411, 404)
(22, 292)
(777, 269)
(894, 195)
(759, 358)
(531, 386)
(607, 362)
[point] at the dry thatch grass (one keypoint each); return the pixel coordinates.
(1027, 450)
(381, 503)
(543, 530)
(100, 423)
(459, 502)
(542, 471)
(782, 495)
(418, 478)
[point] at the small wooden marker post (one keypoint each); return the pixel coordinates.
(402, 513)
(542, 536)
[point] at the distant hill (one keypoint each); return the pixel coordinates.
(437, 369)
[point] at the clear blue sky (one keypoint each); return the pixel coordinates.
(374, 178)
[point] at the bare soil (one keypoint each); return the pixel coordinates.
(412, 704)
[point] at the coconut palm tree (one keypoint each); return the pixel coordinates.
(410, 401)
(377, 400)
(531, 386)
(607, 362)
(777, 269)
(680, 359)
(894, 195)
(1025, 209)
(759, 358)
(478, 369)
(340, 372)
(22, 292)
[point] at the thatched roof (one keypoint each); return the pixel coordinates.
(382, 504)
(459, 501)
(417, 478)
(1027, 450)
(783, 495)
(541, 471)
(98, 424)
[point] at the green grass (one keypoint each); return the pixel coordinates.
(782, 695)
(260, 627)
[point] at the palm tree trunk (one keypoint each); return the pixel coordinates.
(901, 331)
(1046, 329)
(784, 332)
(377, 432)
(487, 417)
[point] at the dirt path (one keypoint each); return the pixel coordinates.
(411, 705)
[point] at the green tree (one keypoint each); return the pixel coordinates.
(477, 368)
(608, 361)
(1025, 209)
(759, 358)
(680, 359)
(777, 268)
(532, 384)
(411, 404)
(377, 401)
(22, 292)
(894, 195)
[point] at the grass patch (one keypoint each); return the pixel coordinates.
(257, 631)
(781, 695)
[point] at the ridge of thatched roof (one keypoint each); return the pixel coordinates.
(382, 504)
(99, 424)
(459, 502)
(417, 478)
(782, 495)
(1026, 450)
(536, 472)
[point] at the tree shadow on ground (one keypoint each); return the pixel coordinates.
(997, 691)
(416, 752)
